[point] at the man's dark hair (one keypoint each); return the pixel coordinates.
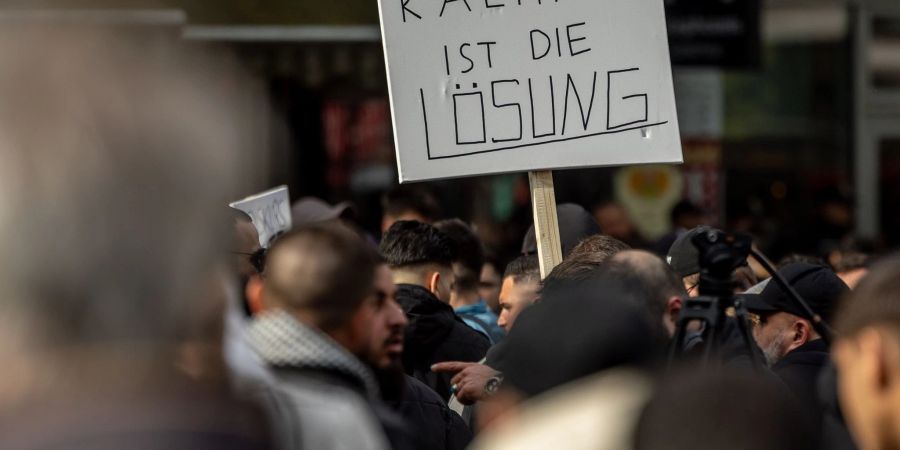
(649, 276)
(801, 258)
(874, 302)
(469, 253)
(598, 247)
(852, 260)
(571, 271)
(416, 198)
(523, 268)
(325, 271)
(582, 265)
(408, 243)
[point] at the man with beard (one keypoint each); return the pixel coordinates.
(422, 410)
(792, 347)
(311, 338)
(421, 261)
(321, 318)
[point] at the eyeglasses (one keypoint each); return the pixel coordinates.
(755, 319)
(257, 259)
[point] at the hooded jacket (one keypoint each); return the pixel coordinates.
(320, 395)
(435, 334)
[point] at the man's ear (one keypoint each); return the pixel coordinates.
(802, 333)
(254, 292)
(673, 308)
(433, 282)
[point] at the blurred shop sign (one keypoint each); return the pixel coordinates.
(648, 194)
(700, 97)
(704, 177)
(717, 33)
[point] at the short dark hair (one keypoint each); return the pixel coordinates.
(324, 270)
(416, 198)
(582, 265)
(469, 253)
(598, 247)
(571, 271)
(875, 301)
(800, 258)
(649, 275)
(408, 243)
(523, 268)
(852, 260)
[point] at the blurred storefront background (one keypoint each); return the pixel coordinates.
(789, 112)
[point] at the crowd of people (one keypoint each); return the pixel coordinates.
(141, 313)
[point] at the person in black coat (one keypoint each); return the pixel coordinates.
(431, 423)
(792, 347)
(421, 259)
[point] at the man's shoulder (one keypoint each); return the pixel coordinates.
(418, 392)
(463, 336)
(314, 405)
(317, 392)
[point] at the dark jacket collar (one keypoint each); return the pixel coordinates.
(415, 298)
(430, 320)
(812, 353)
(816, 345)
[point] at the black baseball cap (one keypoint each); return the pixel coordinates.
(819, 286)
(683, 256)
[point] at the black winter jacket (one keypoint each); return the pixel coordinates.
(435, 334)
(434, 424)
(800, 371)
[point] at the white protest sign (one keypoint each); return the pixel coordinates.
(270, 212)
(491, 86)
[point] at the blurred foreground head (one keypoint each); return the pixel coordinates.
(721, 409)
(867, 354)
(118, 154)
(578, 330)
(575, 370)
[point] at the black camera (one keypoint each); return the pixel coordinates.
(720, 254)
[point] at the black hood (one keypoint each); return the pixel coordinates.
(430, 320)
(435, 334)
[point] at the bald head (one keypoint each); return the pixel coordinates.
(649, 269)
(648, 274)
(640, 260)
(322, 273)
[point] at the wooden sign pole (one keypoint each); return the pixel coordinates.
(546, 223)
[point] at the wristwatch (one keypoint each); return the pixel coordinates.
(493, 384)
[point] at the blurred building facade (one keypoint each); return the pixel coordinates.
(790, 130)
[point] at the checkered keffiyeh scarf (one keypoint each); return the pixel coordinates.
(282, 341)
